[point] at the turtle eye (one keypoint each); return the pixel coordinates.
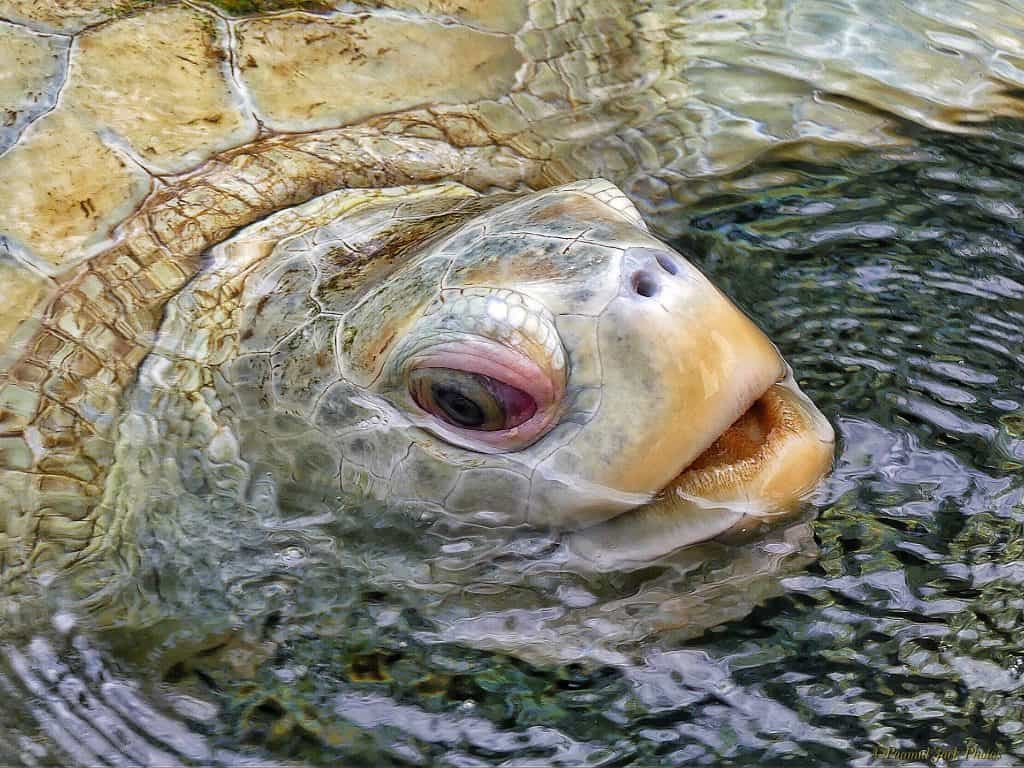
(470, 400)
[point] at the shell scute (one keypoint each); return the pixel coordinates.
(68, 192)
(388, 64)
(32, 68)
(159, 83)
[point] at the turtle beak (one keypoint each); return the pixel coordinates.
(771, 457)
(699, 420)
(762, 466)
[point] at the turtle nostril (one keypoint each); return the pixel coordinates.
(665, 262)
(645, 284)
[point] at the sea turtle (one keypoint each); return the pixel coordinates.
(408, 250)
(263, 260)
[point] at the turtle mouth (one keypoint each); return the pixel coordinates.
(762, 466)
(774, 453)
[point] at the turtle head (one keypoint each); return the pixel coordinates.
(550, 362)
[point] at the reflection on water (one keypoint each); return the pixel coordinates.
(888, 615)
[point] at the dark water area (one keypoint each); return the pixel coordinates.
(896, 290)
(894, 284)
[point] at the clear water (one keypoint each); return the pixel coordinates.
(888, 617)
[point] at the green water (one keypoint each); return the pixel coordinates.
(889, 616)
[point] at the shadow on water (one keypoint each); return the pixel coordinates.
(890, 616)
